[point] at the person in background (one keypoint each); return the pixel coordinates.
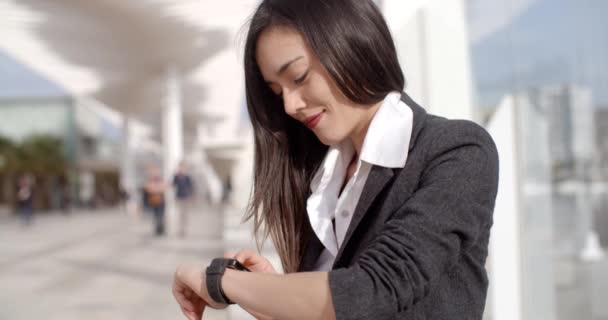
(155, 198)
(63, 191)
(86, 191)
(25, 198)
(227, 190)
(184, 192)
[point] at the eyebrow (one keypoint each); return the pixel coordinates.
(287, 64)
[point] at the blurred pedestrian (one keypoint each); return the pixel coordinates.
(86, 190)
(25, 198)
(155, 198)
(63, 191)
(227, 191)
(184, 191)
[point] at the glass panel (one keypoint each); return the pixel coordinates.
(551, 58)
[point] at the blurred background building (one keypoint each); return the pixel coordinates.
(95, 92)
(546, 60)
(85, 138)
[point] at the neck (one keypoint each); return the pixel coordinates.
(357, 137)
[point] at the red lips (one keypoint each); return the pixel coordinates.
(312, 121)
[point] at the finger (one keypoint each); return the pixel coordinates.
(197, 307)
(200, 307)
(197, 314)
(247, 255)
(188, 294)
(255, 261)
(185, 304)
(187, 312)
(191, 315)
(182, 300)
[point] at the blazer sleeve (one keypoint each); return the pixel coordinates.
(426, 236)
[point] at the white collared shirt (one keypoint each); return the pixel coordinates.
(386, 144)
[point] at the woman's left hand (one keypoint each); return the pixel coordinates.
(190, 291)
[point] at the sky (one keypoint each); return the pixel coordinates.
(17, 81)
(521, 44)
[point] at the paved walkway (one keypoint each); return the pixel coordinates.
(105, 265)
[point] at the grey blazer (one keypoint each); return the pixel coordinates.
(418, 241)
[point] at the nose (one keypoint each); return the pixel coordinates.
(293, 102)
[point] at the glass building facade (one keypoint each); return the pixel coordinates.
(549, 58)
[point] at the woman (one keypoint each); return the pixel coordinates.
(377, 209)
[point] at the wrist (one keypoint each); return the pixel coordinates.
(191, 275)
(214, 275)
(234, 284)
(225, 283)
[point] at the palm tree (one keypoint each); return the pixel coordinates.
(8, 164)
(42, 155)
(7, 154)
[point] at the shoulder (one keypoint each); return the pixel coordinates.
(441, 135)
(452, 147)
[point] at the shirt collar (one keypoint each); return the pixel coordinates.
(333, 167)
(387, 140)
(325, 187)
(386, 143)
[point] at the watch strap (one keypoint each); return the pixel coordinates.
(214, 274)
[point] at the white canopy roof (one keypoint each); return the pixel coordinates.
(118, 52)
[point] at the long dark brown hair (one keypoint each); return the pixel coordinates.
(353, 43)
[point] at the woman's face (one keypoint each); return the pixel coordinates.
(294, 72)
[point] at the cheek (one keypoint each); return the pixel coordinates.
(319, 92)
(334, 130)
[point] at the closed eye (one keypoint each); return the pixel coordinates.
(301, 79)
(297, 81)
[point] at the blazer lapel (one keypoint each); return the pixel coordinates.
(376, 181)
(380, 176)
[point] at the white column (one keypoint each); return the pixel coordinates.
(522, 262)
(172, 142)
(505, 251)
(127, 175)
(591, 250)
(433, 48)
(212, 182)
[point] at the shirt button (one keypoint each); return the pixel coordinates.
(345, 213)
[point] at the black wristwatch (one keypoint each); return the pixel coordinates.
(214, 273)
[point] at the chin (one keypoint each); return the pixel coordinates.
(328, 140)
